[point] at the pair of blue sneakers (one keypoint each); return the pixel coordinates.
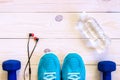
(73, 68)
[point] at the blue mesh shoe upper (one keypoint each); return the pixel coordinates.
(49, 67)
(73, 67)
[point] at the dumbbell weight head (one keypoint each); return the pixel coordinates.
(11, 66)
(106, 67)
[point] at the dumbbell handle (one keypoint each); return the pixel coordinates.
(12, 75)
(106, 75)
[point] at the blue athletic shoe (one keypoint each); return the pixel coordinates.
(73, 68)
(49, 67)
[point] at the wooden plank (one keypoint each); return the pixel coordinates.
(44, 25)
(11, 48)
(59, 5)
(60, 1)
(92, 73)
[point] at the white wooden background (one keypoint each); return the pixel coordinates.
(19, 17)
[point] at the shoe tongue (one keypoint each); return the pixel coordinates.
(50, 65)
(74, 64)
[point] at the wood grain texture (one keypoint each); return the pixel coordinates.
(61, 37)
(19, 17)
(92, 73)
(61, 47)
(17, 25)
(59, 5)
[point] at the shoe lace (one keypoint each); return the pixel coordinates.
(73, 76)
(49, 76)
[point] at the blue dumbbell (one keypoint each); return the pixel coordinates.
(106, 67)
(11, 66)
